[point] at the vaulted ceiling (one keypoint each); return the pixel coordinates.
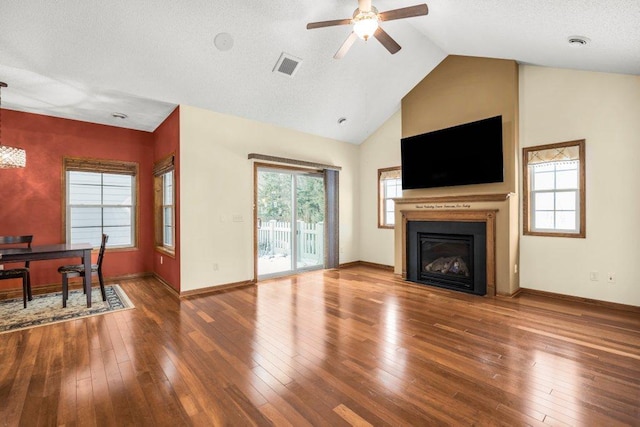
(86, 60)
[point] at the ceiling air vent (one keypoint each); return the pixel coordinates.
(287, 64)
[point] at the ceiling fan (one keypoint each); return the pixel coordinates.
(366, 19)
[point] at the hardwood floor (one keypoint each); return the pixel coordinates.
(354, 346)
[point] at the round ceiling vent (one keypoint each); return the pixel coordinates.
(223, 41)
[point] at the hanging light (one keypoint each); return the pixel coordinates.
(365, 24)
(10, 157)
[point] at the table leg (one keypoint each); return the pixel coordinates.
(87, 275)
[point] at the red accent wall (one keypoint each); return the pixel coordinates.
(31, 199)
(167, 141)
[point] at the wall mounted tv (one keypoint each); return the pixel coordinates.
(470, 153)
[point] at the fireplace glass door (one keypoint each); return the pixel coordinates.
(446, 259)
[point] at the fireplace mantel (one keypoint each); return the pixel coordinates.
(492, 197)
(488, 216)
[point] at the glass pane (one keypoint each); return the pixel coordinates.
(567, 179)
(566, 220)
(391, 218)
(168, 236)
(116, 180)
(117, 217)
(168, 216)
(543, 219)
(543, 181)
(310, 221)
(84, 194)
(91, 178)
(91, 235)
(119, 236)
(274, 212)
(392, 188)
(566, 201)
(389, 205)
(167, 183)
(85, 217)
(543, 201)
(117, 195)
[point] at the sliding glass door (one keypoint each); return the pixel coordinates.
(290, 221)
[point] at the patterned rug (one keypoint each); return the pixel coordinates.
(46, 309)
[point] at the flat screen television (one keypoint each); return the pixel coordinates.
(470, 153)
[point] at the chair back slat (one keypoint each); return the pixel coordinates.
(13, 241)
(16, 240)
(103, 245)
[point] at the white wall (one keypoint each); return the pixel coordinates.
(604, 109)
(380, 150)
(217, 184)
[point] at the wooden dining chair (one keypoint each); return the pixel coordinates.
(18, 272)
(77, 270)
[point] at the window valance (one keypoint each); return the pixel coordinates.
(102, 166)
(163, 166)
(556, 154)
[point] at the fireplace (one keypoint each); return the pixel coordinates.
(448, 254)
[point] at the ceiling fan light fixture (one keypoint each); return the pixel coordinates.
(365, 23)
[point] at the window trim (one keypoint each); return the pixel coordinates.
(93, 165)
(160, 169)
(526, 191)
(381, 207)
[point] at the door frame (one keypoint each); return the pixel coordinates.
(285, 169)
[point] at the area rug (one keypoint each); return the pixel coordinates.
(46, 309)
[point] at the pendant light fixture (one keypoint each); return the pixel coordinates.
(10, 157)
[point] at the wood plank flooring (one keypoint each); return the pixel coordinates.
(350, 347)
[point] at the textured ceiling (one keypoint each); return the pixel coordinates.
(85, 59)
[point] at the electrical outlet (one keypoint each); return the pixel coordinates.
(611, 277)
(215, 266)
(594, 276)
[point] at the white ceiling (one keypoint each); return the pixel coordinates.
(86, 59)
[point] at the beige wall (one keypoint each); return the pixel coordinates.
(380, 150)
(560, 105)
(460, 90)
(463, 89)
(217, 184)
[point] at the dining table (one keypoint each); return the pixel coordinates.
(54, 251)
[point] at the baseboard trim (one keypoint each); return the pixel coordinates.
(217, 288)
(366, 264)
(572, 298)
(166, 284)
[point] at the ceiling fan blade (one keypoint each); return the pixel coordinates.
(346, 46)
(364, 5)
(405, 12)
(313, 25)
(385, 39)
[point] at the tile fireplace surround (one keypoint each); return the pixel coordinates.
(495, 210)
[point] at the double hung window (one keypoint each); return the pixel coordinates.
(100, 198)
(164, 183)
(554, 192)
(389, 187)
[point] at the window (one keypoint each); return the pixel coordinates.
(554, 189)
(389, 187)
(164, 184)
(100, 198)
